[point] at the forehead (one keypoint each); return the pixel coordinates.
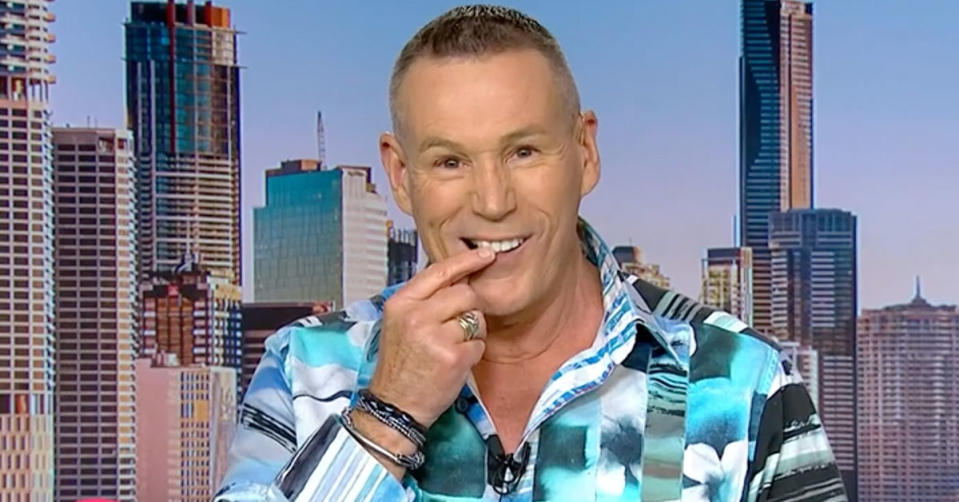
(483, 95)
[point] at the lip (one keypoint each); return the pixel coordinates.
(502, 257)
(506, 261)
(491, 239)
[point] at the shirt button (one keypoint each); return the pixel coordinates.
(462, 404)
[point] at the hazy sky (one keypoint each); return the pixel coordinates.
(662, 76)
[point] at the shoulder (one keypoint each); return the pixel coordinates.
(337, 339)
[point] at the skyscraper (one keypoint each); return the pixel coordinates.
(95, 307)
(909, 402)
(630, 259)
(185, 421)
(183, 105)
(813, 272)
(321, 235)
(26, 253)
(402, 253)
(194, 314)
(727, 281)
(775, 128)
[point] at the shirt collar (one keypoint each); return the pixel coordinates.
(624, 307)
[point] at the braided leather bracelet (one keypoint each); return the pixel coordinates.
(392, 417)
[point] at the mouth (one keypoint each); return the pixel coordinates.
(498, 246)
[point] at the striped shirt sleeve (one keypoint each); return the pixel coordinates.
(793, 460)
(267, 465)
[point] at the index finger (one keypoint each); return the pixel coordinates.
(445, 273)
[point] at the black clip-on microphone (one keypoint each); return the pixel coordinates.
(505, 470)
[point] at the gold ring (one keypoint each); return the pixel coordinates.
(470, 324)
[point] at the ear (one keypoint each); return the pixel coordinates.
(588, 125)
(393, 159)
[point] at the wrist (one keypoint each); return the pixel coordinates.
(381, 433)
(422, 418)
(395, 461)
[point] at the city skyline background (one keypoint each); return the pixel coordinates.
(886, 116)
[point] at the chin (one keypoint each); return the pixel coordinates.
(500, 298)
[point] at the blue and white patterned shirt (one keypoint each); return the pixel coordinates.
(673, 401)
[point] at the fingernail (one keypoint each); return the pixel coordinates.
(486, 253)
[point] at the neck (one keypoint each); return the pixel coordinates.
(562, 324)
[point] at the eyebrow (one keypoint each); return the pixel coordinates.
(434, 141)
(524, 132)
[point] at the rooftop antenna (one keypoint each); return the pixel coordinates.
(320, 140)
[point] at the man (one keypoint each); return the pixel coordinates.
(522, 364)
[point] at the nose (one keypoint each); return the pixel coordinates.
(492, 195)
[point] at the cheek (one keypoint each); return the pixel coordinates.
(434, 204)
(553, 190)
(433, 201)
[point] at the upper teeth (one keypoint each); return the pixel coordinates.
(500, 246)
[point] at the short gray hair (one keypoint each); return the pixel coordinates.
(480, 30)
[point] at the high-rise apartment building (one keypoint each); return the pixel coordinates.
(909, 399)
(95, 313)
(26, 252)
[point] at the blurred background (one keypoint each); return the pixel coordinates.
(180, 179)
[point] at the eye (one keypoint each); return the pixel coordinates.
(449, 163)
(524, 152)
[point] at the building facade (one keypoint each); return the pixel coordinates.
(909, 399)
(185, 421)
(26, 252)
(321, 236)
(194, 314)
(806, 360)
(776, 128)
(727, 281)
(95, 263)
(814, 291)
(183, 105)
(630, 260)
(402, 253)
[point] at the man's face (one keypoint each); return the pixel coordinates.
(489, 155)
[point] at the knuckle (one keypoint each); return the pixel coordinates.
(413, 322)
(447, 358)
(443, 273)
